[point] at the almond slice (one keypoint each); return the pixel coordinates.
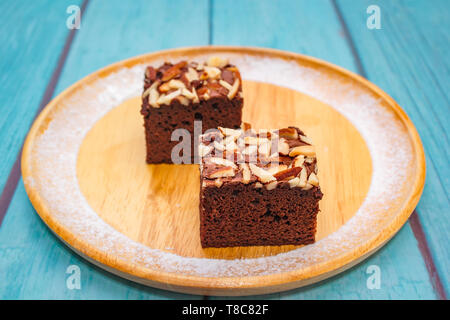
(272, 185)
(166, 99)
(230, 132)
(302, 150)
(153, 98)
(218, 182)
(292, 172)
(258, 185)
(191, 74)
(275, 169)
(288, 133)
(264, 149)
(310, 159)
(222, 172)
(283, 147)
(294, 182)
(234, 89)
(212, 72)
(299, 160)
(303, 178)
(219, 62)
(222, 162)
(313, 180)
(306, 139)
(226, 85)
(175, 84)
(262, 174)
(307, 187)
(164, 87)
(183, 100)
(255, 140)
(188, 94)
(246, 174)
(147, 92)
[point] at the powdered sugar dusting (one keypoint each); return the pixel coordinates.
(54, 156)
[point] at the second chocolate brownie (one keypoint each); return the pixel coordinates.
(175, 95)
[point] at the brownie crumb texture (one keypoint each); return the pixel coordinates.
(258, 188)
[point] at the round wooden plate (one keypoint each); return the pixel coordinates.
(84, 171)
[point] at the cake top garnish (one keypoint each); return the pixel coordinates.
(188, 82)
(264, 157)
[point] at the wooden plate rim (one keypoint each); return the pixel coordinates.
(227, 285)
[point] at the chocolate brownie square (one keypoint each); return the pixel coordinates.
(258, 188)
(176, 95)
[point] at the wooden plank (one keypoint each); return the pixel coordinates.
(316, 30)
(33, 264)
(408, 59)
(29, 51)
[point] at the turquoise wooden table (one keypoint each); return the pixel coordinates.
(407, 57)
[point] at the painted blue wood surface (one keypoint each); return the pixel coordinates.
(408, 58)
(32, 37)
(33, 262)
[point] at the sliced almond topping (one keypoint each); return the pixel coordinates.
(200, 66)
(246, 174)
(217, 62)
(212, 72)
(307, 187)
(176, 84)
(234, 89)
(222, 172)
(294, 182)
(310, 159)
(191, 74)
(262, 174)
(275, 169)
(303, 178)
(288, 133)
(258, 185)
(230, 132)
(218, 182)
(272, 185)
(153, 98)
(190, 95)
(313, 180)
(166, 99)
(306, 139)
(225, 84)
(288, 173)
(203, 150)
(264, 149)
(164, 87)
(183, 100)
(222, 162)
(304, 150)
(283, 147)
(299, 160)
(196, 99)
(255, 140)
